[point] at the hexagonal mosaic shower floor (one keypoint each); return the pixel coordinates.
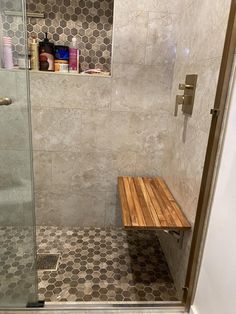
(104, 265)
(17, 275)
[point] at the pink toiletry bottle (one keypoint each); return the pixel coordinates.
(7, 53)
(74, 56)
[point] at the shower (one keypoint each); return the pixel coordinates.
(105, 120)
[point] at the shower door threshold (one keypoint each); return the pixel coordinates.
(159, 306)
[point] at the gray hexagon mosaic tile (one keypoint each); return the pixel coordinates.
(90, 21)
(104, 265)
(12, 26)
(17, 267)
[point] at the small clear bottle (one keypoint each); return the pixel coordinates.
(74, 56)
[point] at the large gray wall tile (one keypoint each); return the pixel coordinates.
(84, 146)
(70, 91)
(161, 38)
(56, 129)
(130, 36)
(198, 52)
(42, 169)
(141, 88)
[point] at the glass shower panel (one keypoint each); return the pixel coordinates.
(18, 276)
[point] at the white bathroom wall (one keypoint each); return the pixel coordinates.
(216, 291)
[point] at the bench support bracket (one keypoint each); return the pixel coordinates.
(178, 235)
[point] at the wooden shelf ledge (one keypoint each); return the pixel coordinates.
(147, 203)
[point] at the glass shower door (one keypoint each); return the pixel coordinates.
(18, 275)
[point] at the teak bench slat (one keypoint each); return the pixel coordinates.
(147, 203)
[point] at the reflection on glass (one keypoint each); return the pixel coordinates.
(18, 284)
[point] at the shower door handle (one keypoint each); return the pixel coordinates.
(5, 101)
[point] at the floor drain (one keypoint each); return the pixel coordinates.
(47, 261)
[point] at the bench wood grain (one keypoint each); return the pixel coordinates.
(147, 203)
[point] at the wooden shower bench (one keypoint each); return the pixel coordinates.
(147, 203)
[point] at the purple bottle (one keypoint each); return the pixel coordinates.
(74, 56)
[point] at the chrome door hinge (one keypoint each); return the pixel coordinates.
(215, 112)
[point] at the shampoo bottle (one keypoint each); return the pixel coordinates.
(46, 55)
(74, 56)
(34, 54)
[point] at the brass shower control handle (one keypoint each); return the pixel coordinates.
(5, 101)
(182, 100)
(178, 102)
(187, 99)
(183, 86)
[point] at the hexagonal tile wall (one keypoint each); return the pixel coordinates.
(91, 21)
(12, 27)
